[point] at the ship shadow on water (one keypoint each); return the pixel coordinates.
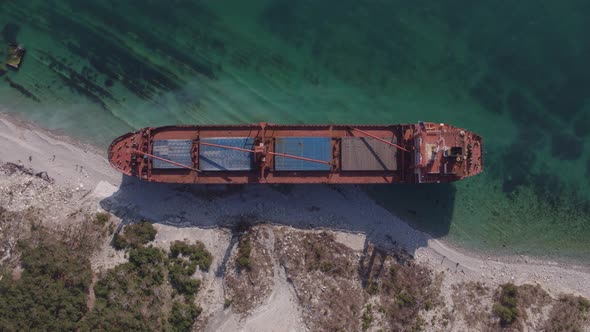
(376, 211)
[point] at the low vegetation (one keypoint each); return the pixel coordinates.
(384, 290)
(570, 313)
(135, 235)
(182, 264)
(102, 218)
(367, 317)
(47, 284)
(195, 253)
(134, 296)
(406, 289)
(243, 228)
(244, 252)
(48, 288)
(323, 273)
(44, 284)
(471, 303)
(322, 254)
(506, 308)
(51, 292)
(183, 316)
(249, 277)
(126, 295)
(87, 233)
(524, 307)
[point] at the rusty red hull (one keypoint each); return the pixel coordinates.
(274, 153)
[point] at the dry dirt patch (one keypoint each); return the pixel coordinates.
(325, 278)
(249, 270)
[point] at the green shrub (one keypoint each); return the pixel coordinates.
(102, 218)
(405, 300)
(182, 316)
(51, 293)
(367, 317)
(183, 262)
(135, 235)
(326, 266)
(111, 228)
(584, 304)
(509, 290)
(372, 287)
(146, 255)
(393, 271)
(507, 309)
(119, 242)
(180, 266)
(244, 254)
(506, 314)
(125, 295)
(196, 253)
(227, 302)
(179, 274)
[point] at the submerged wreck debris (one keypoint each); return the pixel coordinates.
(15, 56)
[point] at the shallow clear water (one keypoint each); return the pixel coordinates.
(516, 73)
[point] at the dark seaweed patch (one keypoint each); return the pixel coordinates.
(490, 93)
(22, 89)
(10, 32)
(280, 17)
(110, 57)
(150, 40)
(568, 98)
(217, 45)
(524, 112)
(548, 187)
(114, 60)
(517, 161)
(537, 56)
(566, 146)
(243, 59)
(79, 83)
(341, 43)
(581, 124)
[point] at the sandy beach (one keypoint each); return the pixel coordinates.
(347, 210)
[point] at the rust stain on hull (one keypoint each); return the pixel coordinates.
(424, 152)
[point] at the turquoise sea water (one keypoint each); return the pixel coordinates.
(514, 72)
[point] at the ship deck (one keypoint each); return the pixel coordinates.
(270, 153)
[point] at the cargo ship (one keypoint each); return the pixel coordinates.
(423, 152)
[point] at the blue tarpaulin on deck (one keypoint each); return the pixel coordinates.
(176, 150)
(308, 147)
(213, 158)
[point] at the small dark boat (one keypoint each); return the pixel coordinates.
(15, 56)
